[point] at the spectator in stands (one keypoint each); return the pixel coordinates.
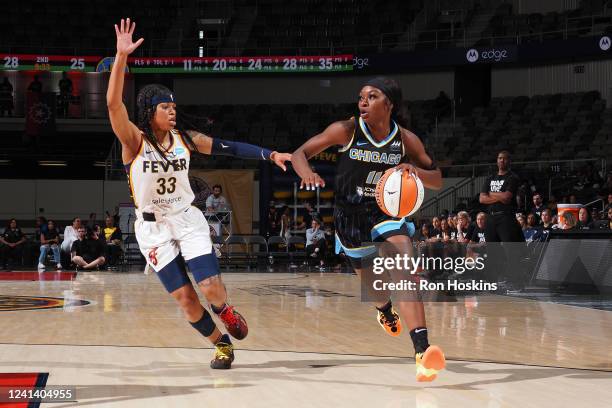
(609, 218)
(447, 234)
(423, 239)
(65, 87)
(568, 221)
(6, 97)
(463, 227)
(584, 219)
(424, 232)
(452, 221)
(572, 199)
(87, 251)
(477, 234)
(273, 220)
(547, 222)
(538, 205)
(476, 237)
(70, 235)
(113, 239)
(309, 214)
(285, 222)
(435, 232)
(316, 245)
(522, 221)
(215, 201)
(35, 86)
(531, 230)
(49, 241)
(13, 242)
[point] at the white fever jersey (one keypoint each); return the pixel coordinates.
(158, 185)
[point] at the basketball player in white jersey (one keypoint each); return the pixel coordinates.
(171, 232)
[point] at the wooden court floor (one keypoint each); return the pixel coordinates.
(121, 340)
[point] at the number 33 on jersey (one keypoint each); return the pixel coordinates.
(159, 184)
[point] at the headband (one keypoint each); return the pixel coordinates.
(390, 88)
(162, 99)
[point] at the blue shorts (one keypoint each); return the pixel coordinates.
(174, 275)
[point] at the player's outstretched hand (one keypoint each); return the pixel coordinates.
(124, 37)
(312, 181)
(280, 158)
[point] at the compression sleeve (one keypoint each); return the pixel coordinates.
(239, 149)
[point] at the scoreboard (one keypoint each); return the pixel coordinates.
(180, 65)
(213, 65)
(34, 62)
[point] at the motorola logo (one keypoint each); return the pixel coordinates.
(472, 55)
(604, 43)
(492, 54)
(360, 63)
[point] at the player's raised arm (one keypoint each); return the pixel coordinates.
(126, 131)
(214, 146)
(338, 133)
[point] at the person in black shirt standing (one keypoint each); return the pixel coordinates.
(538, 205)
(65, 87)
(499, 193)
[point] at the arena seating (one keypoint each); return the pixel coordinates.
(90, 35)
(564, 126)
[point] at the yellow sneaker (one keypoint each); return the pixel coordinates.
(429, 363)
(224, 356)
(390, 322)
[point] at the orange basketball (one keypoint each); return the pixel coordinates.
(399, 194)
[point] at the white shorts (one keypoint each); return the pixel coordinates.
(186, 233)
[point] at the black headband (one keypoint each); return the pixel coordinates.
(388, 87)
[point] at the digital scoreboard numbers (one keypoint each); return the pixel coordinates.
(214, 65)
(179, 65)
(34, 62)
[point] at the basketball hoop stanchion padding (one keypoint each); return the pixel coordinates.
(399, 193)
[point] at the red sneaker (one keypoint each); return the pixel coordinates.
(234, 322)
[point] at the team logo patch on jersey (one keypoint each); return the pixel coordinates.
(396, 144)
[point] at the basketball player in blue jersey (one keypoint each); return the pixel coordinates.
(371, 144)
(172, 233)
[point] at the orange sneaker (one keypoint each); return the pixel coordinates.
(429, 363)
(390, 322)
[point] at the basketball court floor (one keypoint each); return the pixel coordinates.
(122, 342)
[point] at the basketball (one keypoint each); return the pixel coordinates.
(399, 193)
